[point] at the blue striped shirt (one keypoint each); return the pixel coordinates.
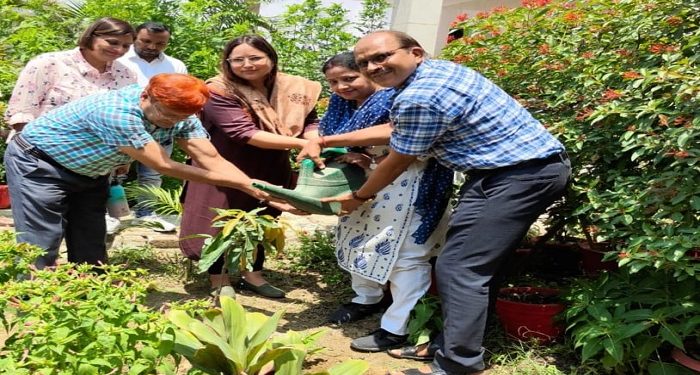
(465, 121)
(85, 135)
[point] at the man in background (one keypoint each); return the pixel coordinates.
(146, 59)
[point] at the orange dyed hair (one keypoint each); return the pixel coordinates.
(180, 92)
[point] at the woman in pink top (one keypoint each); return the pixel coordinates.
(53, 79)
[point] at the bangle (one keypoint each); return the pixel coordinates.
(322, 142)
(357, 197)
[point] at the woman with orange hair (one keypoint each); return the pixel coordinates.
(58, 166)
(255, 116)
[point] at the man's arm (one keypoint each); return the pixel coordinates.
(386, 172)
(373, 136)
(216, 170)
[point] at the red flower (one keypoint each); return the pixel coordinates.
(462, 58)
(611, 94)
(624, 52)
(572, 16)
(505, 48)
(482, 15)
(658, 48)
(450, 38)
(681, 121)
(631, 75)
(674, 20)
(502, 73)
(587, 55)
(461, 17)
(500, 9)
(544, 49)
(584, 114)
(535, 3)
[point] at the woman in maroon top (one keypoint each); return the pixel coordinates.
(255, 116)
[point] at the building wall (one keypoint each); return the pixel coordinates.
(429, 20)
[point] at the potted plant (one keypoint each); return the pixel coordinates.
(528, 313)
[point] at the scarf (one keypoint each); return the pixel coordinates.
(291, 100)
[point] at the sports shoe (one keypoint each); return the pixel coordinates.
(112, 224)
(378, 341)
(352, 311)
(157, 223)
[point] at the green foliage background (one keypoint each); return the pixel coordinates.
(304, 36)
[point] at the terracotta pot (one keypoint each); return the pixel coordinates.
(592, 259)
(527, 321)
(685, 360)
(4, 197)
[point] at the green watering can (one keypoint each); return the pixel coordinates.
(334, 180)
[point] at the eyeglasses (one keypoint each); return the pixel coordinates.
(239, 61)
(377, 59)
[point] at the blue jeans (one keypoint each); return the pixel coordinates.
(149, 177)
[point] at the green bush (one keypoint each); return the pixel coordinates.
(72, 321)
(618, 82)
(316, 252)
(625, 319)
(16, 259)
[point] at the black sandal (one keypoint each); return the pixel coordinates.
(411, 352)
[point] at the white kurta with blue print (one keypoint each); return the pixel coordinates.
(370, 238)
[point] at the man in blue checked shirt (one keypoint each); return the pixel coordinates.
(58, 167)
(516, 170)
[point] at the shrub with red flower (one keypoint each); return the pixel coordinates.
(623, 94)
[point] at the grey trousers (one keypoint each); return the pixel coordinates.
(495, 210)
(50, 203)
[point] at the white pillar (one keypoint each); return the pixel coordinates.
(429, 20)
(419, 19)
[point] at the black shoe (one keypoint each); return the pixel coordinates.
(352, 311)
(378, 341)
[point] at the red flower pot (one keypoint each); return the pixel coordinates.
(592, 259)
(685, 360)
(525, 320)
(4, 197)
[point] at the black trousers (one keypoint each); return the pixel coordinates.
(495, 210)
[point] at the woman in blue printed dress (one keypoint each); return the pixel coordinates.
(392, 237)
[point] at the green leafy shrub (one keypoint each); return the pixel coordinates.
(73, 321)
(625, 319)
(619, 83)
(238, 240)
(230, 340)
(16, 259)
(316, 252)
(425, 321)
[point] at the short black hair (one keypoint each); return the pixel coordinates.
(344, 59)
(152, 27)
